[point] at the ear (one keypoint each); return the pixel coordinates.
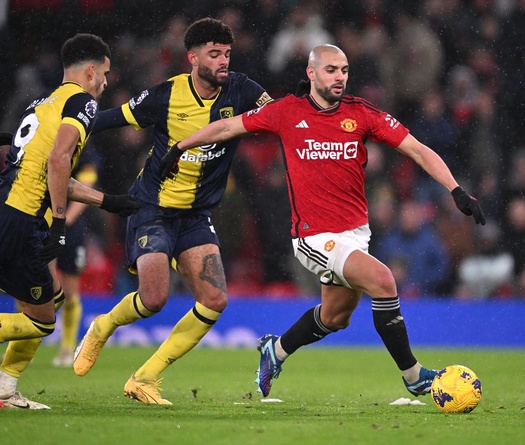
(90, 71)
(192, 57)
(310, 73)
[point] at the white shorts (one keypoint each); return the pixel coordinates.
(325, 254)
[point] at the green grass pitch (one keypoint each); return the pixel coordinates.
(330, 396)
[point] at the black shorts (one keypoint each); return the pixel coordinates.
(152, 229)
(22, 275)
(72, 258)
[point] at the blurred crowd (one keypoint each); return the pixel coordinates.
(452, 71)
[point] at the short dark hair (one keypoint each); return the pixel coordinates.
(207, 30)
(82, 48)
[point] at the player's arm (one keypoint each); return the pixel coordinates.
(59, 167)
(87, 177)
(428, 160)
(84, 194)
(124, 205)
(58, 173)
(218, 131)
(434, 165)
(112, 118)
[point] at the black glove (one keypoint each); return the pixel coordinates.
(56, 241)
(169, 164)
(124, 205)
(303, 87)
(468, 205)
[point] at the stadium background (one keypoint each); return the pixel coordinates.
(452, 71)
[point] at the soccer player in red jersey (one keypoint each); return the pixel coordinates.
(323, 134)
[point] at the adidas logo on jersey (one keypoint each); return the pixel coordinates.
(302, 124)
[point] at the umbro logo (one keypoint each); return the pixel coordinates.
(302, 124)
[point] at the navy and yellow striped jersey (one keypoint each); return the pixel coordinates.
(176, 110)
(23, 182)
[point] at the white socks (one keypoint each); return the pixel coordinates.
(411, 375)
(279, 351)
(7, 385)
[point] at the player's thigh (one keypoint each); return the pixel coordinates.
(154, 279)
(22, 274)
(202, 269)
(338, 304)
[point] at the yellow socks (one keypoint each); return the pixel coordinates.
(183, 338)
(128, 310)
(71, 315)
(20, 327)
(18, 355)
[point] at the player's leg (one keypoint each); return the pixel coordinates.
(71, 315)
(148, 246)
(17, 357)
(366, 273)
(19, 353)
(337, 305)
(34, 285)
(199, 262)
(153, 271)
(24, 276)
(71, 263)
(33, 321)
(201, 267)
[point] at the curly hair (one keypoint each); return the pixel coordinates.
(207, 30)
(83, 48)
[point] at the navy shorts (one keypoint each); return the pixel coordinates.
(72, 258)
(154, 229)
(22, 275)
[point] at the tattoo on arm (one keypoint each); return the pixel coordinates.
(60, 210)
(213, 272)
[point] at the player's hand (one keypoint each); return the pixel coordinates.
(169, 164)
(302, 88)
(56, 241)
(123, 205)
(468, 205)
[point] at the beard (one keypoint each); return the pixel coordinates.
(327, 94)
(206, 74)
(99, 88)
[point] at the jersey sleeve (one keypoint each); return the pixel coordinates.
(145, 109)
(80, 110)
(264, 119)
(386, 129)
(256, 95)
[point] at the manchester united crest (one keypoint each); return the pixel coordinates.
(349, 125)
(329, 245)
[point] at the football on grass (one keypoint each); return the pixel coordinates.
(456, 389)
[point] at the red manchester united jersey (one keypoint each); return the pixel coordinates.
(325, 157)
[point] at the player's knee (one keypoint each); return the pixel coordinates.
(43, 329)
(155, 305)
(216, 301)
(337, 322)
(385, 284)
(153, 301)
